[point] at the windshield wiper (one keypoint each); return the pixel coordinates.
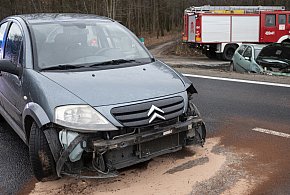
(112, 62)
(63, 67)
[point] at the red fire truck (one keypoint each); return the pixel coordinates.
(219, 30)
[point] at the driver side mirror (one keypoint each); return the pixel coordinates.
(8, 66)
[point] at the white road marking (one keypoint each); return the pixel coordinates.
(271, 132)
(238, 80)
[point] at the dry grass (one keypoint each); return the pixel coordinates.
(182, 49)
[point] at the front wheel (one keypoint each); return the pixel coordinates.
(41, 158)
(232, 67)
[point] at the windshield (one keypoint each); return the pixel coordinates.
(85, 42)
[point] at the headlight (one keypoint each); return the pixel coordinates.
(82, 117)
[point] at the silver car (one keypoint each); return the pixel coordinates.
(244, 59)
(88, 98)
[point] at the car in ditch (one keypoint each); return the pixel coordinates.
(88, 98)
(270, 59)
(244, 59)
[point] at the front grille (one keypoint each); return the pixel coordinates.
(136, 115)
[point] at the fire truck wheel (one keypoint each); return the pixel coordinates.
(219, 56)
(229, 51)
(210, 54)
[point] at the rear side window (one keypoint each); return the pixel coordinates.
(13, 47)
(270, 20)
(242, 49)
(282, 19)
(2, 31)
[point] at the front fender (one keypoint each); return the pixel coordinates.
(186, 82)
(36, 112)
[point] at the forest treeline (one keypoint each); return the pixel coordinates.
(150, 16)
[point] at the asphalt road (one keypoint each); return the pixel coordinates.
(221, 101)
(15, 169)
(230, 109)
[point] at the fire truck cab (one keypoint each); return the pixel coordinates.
(219, 30)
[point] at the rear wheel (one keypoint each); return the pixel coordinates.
(210, 51)
(210, 54)
(219, 56)
(41, 158)
(229, 52)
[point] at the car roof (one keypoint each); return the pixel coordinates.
(259, 46)
(53, 17)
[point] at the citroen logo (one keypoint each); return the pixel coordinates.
(154, 110)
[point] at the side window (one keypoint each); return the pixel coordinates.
(248, 52)
(270, 20)
(13, 46)
(242, 49)
(282, 19)
(2, 31)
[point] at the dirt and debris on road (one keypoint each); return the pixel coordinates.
(209, 170)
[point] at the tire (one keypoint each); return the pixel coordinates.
(219, 56)
(232, 67)
(210, 54)
(43, 164)
(229, 52)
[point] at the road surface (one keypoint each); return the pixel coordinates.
(233, 109)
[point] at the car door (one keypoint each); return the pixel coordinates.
(11, 85)
(246, 59)
(238, 57)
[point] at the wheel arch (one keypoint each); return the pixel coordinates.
(284, 38)
(33, 113)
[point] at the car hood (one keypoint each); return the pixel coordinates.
(120, 85)
(271, 60)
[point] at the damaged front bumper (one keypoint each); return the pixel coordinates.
(109, 155)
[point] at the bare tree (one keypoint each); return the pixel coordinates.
(151, 16)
